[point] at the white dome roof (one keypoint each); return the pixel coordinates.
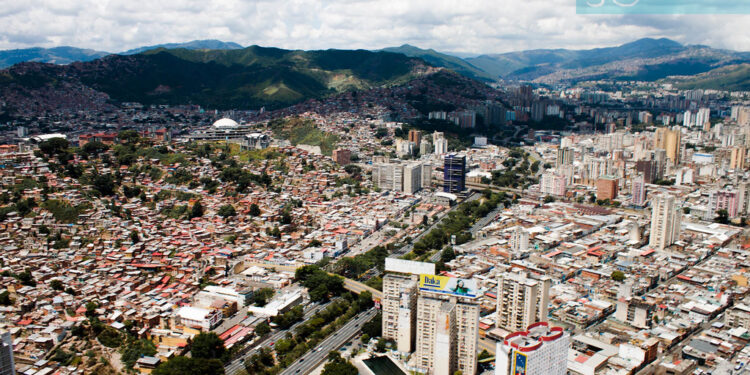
(225, 123)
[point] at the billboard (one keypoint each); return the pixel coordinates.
(449, 285)
(409, 266)
(519, 363)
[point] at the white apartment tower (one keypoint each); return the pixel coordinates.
(521, 300)
(665, 222)
(447, 334)
(399, 312)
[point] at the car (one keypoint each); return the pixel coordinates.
(272, 342)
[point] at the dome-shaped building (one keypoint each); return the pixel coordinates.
(225, 123)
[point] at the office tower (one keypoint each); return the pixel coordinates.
(399, 306)
(454, 173)
(665, 222)
(412, 178)
(607, 188)
(638, 190)
(553, 184)
(669, 141)
(521, 300)
(441, 146)
(342, 156)
(564, 156)
(519, 240)
(7, 365)
(737, 160)
(539, 350)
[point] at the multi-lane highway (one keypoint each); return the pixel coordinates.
(313, 358)
(239, 363)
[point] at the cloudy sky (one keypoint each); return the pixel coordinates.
(469, 26)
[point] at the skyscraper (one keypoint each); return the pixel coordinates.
(412, 178)
(521, 301)
(7, 365)
(738, 156)
(454, 173)
(538, 350)
(665, 222)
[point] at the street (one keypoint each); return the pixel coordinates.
(313, 358)
(239, 363)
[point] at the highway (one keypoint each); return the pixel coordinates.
(481, 223)
(239, 363)
(308, 362)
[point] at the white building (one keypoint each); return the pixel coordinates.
(196, 317)
(399, 310)
(521, 301)
(665, 222)
(540, 350)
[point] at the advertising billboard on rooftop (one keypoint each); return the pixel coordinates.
(449, 285)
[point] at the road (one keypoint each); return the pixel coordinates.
(239, 363)
(315, 357)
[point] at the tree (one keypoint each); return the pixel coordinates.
(91, 307)
(207, 345)
(5, 299)
(618, 276)
(190, 366)
(56, 284)
(128, 136)
(136, 349)
(104, 184)
(226, 211)
(549, 199)
(54, 146)
(338, 366)
(365, 338)
(197, 210)
(686, 210)
(722, 217)
(134, 237)
(262, 329)
(94, 148)
(254, 210)
(261, 296)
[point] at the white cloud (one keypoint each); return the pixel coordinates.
(474, 26)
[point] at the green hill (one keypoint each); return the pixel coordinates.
(731, 78)
(241, 78)
(435, 58)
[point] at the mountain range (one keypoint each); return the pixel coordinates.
(67, 55)
(230, 78)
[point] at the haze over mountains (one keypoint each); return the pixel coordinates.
(645, 59)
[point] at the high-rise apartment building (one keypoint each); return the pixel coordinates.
(7, 364)
(441, 146)
(665, 222)
(607, 187)
(454, 173)
(412, 178)
(737, 159)
(553, 184)
(447, 334)
(521, 300)
(415, 136)
(538, 350)
(399, 310)
(564, 156)
(519, 240)
(669, 141)
(638, 190)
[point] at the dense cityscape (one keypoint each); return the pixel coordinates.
(414, 214)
